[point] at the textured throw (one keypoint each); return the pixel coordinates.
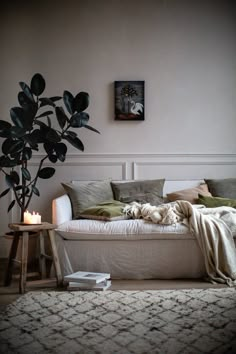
(125, 322)
(212, 228)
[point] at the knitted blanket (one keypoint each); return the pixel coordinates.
(212, 227)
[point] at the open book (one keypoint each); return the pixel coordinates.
(87, 277)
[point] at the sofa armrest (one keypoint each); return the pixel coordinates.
(61, 210)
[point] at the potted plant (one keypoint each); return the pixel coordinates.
(30, 128)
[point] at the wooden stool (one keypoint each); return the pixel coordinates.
(22, 230)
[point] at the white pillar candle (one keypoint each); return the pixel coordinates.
(38, 218)
(27, 217)
(34, 218)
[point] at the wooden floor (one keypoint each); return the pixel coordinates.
(11, 293)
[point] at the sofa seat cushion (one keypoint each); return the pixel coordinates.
(137, 229)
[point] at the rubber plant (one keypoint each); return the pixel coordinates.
(31, 126)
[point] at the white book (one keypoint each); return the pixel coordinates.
(87, 277)
(87, 287)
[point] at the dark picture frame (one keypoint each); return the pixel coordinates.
(129, 100)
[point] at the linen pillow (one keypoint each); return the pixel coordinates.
(84, 194)
(145, 191)
(106, 211)
(225, 188)
(190, 194)
(213, 202)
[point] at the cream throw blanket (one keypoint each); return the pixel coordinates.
(212, 228)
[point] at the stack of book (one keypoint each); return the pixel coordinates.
(88, 281)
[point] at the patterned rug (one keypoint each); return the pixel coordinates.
(124, 322)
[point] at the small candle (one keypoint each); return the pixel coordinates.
(38, 218)
(27, 217)
(34, 218)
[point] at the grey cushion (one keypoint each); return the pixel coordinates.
(143, 191)
(84, 194)
(225, 188)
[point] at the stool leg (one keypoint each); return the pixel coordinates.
(42, 260)
(55, 257)
(12, 255)
(24, 261)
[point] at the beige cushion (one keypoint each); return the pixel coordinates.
(190, 194)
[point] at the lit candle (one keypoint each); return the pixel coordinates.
(39, 218)
(34, 218)
(27, 217)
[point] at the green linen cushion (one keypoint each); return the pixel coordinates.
(143, 191)
(107, 211)
(84, 194)
(214, 202)
(224, 188)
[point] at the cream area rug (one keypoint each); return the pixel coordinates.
(124, 322)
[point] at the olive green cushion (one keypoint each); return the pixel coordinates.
(213, 202)
(224, 188)
(84, 194)
(108, 211)
(143, 191)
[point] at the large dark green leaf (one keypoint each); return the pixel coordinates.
(81, 101)
(16, 146)
(4, 125)
(55, 98)
(37, 84)
(17, 116)
(14, 175)
(9, 180)
(49, 147)
(30, 140)
(5, 133)
(4, 192)
(91, 128)
(27, 90)
(7, 162)
(71, 134)
(44, 101)
(68, 99)
(46, 172)
(79, 120)
(27, 153)
(11, 205)
(6, 146)
(23, 99)
(76, 142)
(17, 132)
(44, 114)
(53, 136)
(61, 116)
(26, 173)
(35, 191)
(61, 150)
(22, 118)
(37, 136)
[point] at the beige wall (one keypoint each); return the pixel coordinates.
(185, 51)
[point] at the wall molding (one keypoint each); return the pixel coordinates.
(78, 156)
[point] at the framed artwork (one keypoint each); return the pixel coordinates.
(129, 100)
